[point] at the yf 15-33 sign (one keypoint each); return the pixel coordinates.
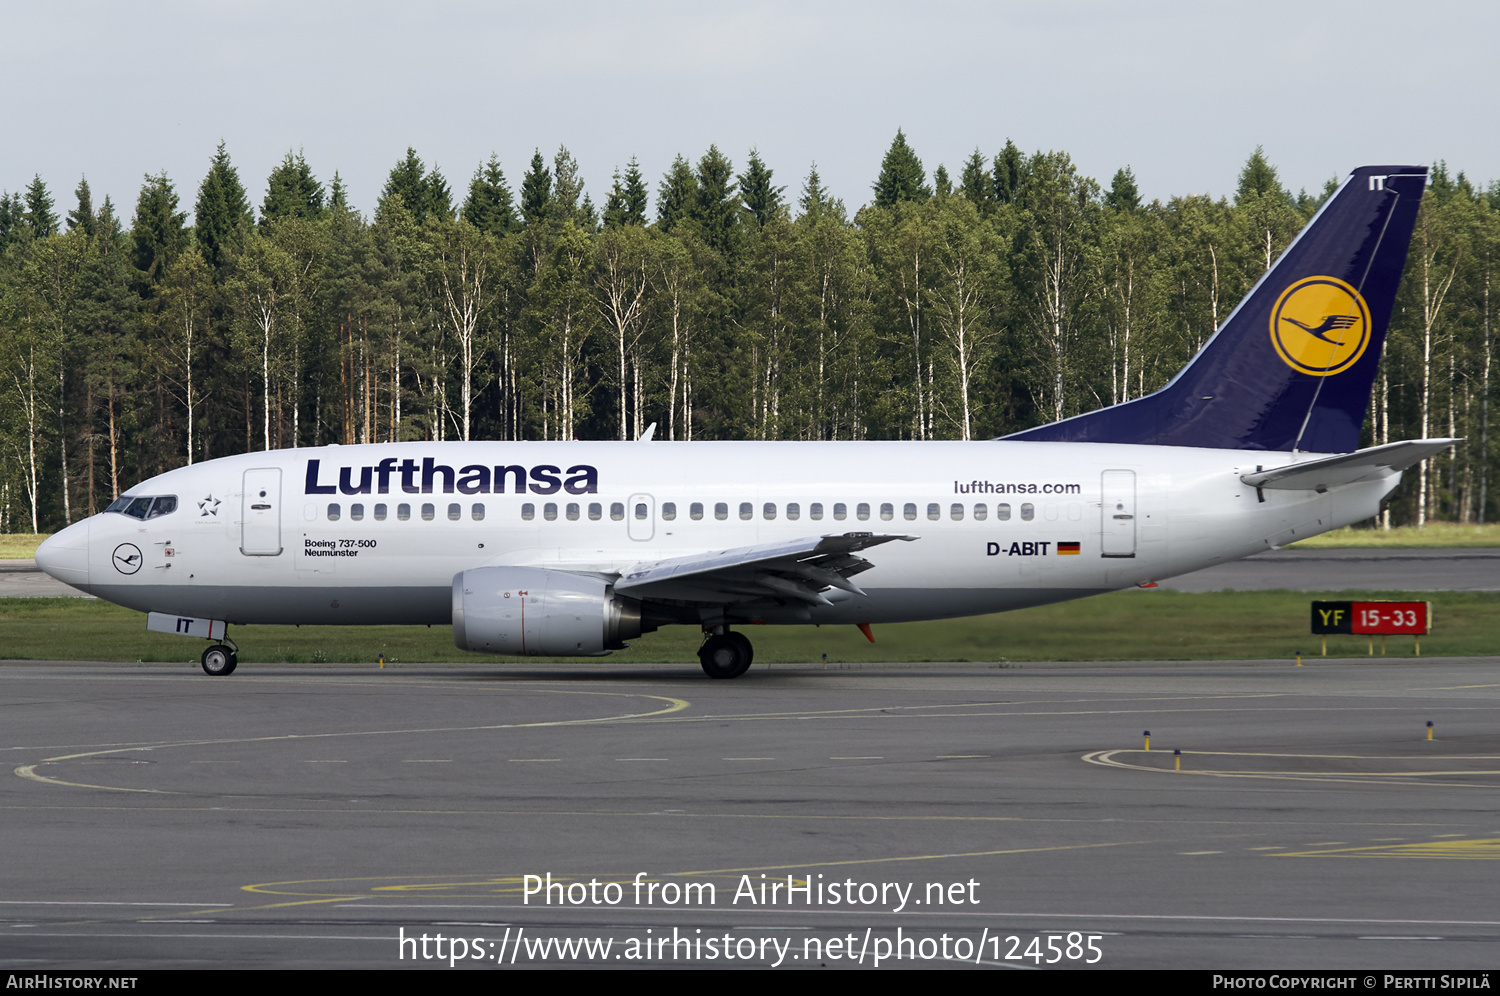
(1372, 618)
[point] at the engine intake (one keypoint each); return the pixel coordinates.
(535, 613)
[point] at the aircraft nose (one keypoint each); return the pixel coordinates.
(65, 555)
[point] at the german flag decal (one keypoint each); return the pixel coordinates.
(1064, 549)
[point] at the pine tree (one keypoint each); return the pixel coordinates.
(635, 193)
(536, 191)
(1258, 179)
(222, 214)
(158, 232)
(677, 194)
(815, 200)
(83, 215)
(1009, 166)
(12, 219)
(438, 196)
(292, 191)
(762, 201)
(489, 206)
(716, 204)
(39, 218)
(975, 183)
(941, 183)
(1123, 194)
(407, 180)
(567, 190)
(902, 177)
(338, 195)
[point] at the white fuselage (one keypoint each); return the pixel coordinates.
(996, 523)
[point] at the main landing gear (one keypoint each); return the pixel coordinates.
(221, 659)
(726, 655)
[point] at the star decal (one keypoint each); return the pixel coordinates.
(208, 506)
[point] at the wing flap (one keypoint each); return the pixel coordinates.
(796, 570)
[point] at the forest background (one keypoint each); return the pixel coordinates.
(1013, 294)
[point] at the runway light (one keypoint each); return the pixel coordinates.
(1429, 729)
(1147, 735)
(1177, 760)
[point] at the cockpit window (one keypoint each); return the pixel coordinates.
(146, 507)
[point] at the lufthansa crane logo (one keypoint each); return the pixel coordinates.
(127, 558)
(1320, 326)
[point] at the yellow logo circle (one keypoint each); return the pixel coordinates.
(1320, 326)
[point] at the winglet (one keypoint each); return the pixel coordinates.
(865, 629)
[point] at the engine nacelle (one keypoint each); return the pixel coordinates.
(535, 613)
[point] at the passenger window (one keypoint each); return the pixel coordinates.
(333, 512)
(769, 511)
(640, 510)
(721, 510)
(934, 511)
(956, 512)
(746, 510)
(793, 510)
(1028, 512)
(403, 511)
(1049, 512)
(528, 511)
(981, 512)
(840, 510)
(1002, 512)
(909, 510)
(617, 510)
(815, 510)
(862, 510)
(379, 513)
(429, 511)
(596, 511)
(455, 512)
(669, 511)
(1075, 512)
(356, 513)
(887, 511)
(572, 511)
(549, 511)
(695, 510)
(476, 512)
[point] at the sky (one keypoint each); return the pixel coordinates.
(1181, 92)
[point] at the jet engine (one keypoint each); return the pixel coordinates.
(535, 613)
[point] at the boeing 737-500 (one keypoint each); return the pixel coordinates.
(573, 548)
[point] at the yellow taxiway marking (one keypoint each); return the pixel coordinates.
(1487, 849)
(28, 771)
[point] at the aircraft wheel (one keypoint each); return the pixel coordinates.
(726, 656)
(219, 660)
(743, 642)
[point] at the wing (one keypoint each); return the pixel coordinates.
(797, 570)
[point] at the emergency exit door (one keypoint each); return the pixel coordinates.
(1118, 509)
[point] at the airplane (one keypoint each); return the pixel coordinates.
(572, 548)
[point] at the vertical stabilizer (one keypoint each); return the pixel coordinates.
(1292, 365)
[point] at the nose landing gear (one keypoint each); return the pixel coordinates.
(221, 659)
(726, 655)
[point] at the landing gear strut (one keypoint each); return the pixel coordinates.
(220, 659)
(726, 655)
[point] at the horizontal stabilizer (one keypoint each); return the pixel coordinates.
(798, 569)
(1346, 468)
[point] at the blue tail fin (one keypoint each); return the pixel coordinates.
(1292, 366)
